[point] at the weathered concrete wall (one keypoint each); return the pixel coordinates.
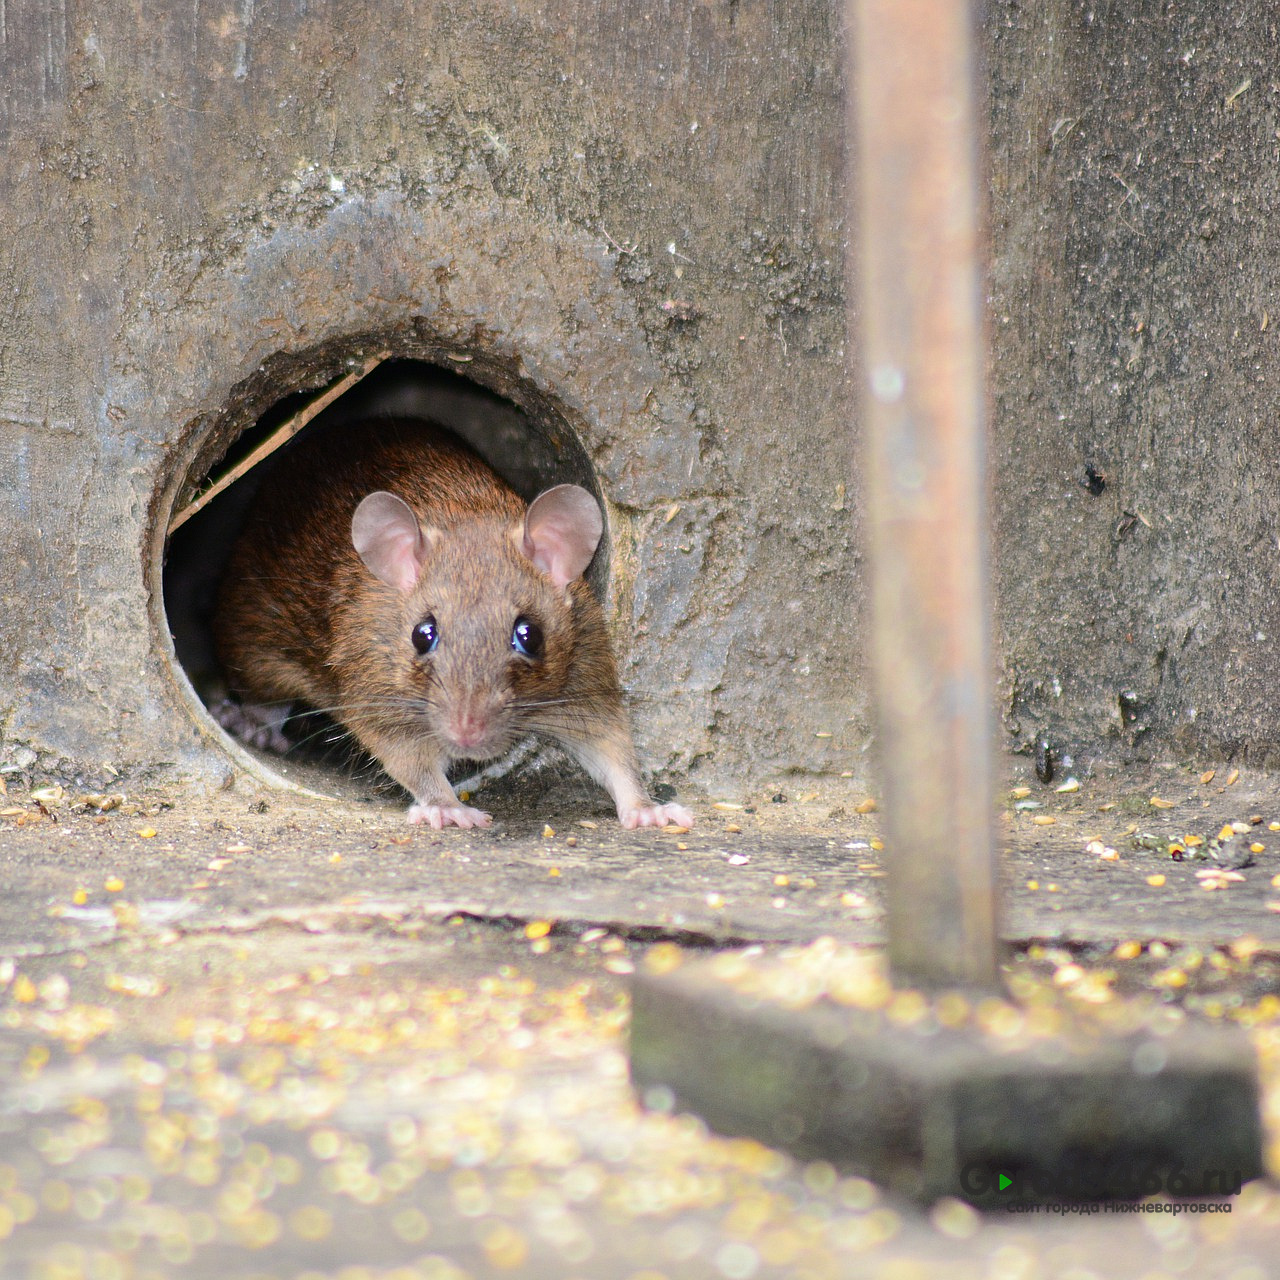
(1136, 301)
(210, 206)
(207, 209)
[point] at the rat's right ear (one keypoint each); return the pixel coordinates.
(562, 529)
(388, 538)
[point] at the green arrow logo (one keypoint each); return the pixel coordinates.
(1004, 1182)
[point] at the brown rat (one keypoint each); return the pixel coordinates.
(394, 581)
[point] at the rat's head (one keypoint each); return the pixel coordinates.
(486, 628)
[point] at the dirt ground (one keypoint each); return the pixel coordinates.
(256, 1034)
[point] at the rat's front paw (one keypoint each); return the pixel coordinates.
(655, 815)
(258, 725)
(448, 815)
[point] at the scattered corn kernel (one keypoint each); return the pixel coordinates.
(662, 957)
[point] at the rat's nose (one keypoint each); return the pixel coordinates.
(468, 728)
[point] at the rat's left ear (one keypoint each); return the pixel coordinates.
(562, 529)
(388, 538)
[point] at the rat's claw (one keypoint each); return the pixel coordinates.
(448, 815)
(258, 725)
(655, 815)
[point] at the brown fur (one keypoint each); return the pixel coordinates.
(301, 617)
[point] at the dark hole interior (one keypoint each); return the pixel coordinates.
(529, 454)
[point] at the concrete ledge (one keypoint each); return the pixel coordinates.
(930, 1111)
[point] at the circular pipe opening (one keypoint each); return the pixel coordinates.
(531, 447)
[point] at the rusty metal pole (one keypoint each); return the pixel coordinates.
(914, 1107)
(917, 257)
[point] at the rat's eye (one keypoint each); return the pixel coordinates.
(526, 638)
(425, 635)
